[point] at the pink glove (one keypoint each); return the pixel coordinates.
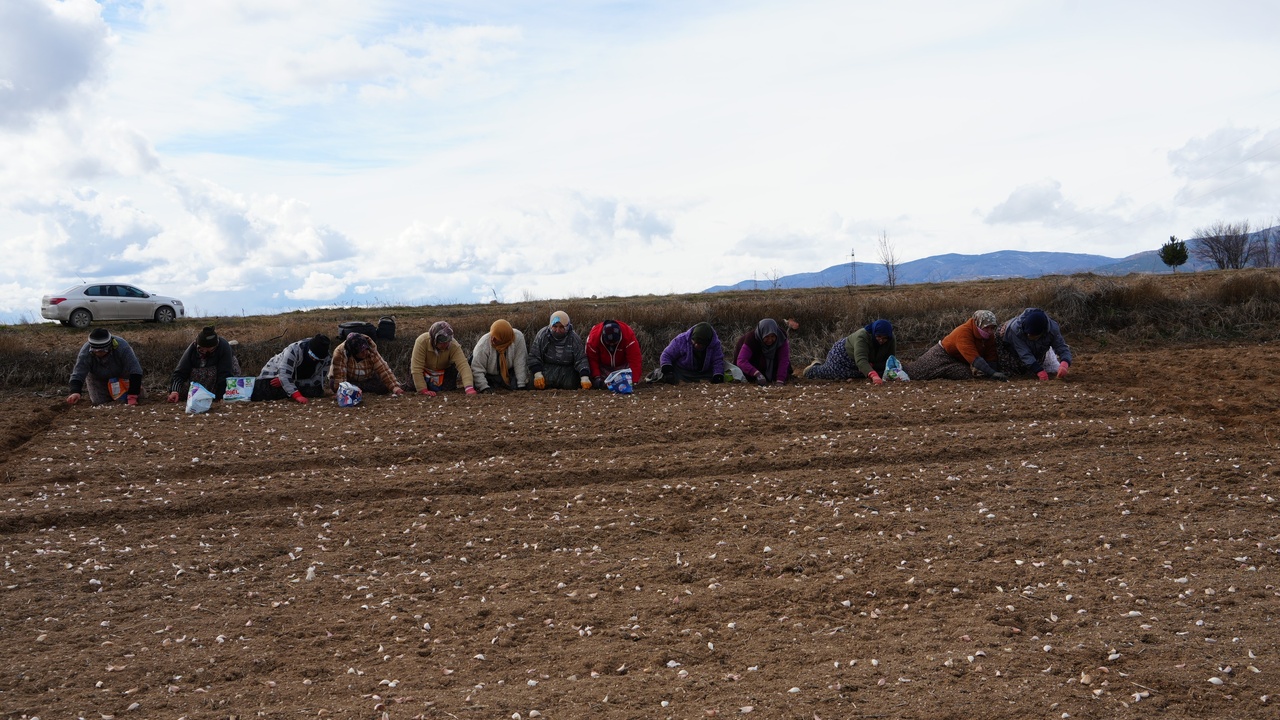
(297, 395)
(471, 390)
(275, 382)
(428, 392)
(173, 397)
(73, 398)
(875, 378)
(1062, 370)
(131, 399)
(1042, 375)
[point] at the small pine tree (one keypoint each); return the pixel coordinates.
(1174, 253)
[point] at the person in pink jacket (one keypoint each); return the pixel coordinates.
(764, 355)
(612, 345)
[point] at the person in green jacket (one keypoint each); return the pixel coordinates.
(861, 355)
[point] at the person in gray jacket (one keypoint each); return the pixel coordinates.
(558, 357)
(1025, 342)
(298, 372)
(107, 366)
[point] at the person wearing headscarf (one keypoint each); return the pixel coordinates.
(208, 361)
(500, 359)
(298, 372)
(764, 354)
(558, 357)
(356, 360)
(438, 364)
(966, 352)
(693, 355)
(861, 355)
(1025, 342)
(107, 366)
(612, 346)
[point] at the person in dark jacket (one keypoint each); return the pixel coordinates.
(107, 366)
(298, 372)
(764, 355)
(694, 355)
(612, 346)
(969, 351)
(558, 357)
(208, 361)
(1025, 342)
(861, 355)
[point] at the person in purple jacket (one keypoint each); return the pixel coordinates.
(764, 354)
(693, 355)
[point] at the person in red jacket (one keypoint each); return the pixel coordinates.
(612, 345)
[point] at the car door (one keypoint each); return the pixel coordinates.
(101, 302)
(135, 304)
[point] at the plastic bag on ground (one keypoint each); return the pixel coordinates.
(239, 389)
(619, 381)
(893, 370)
(349, 395)
(1051, 362)
(199, 399)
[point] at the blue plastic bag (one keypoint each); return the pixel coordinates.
(349, 395)
(619, 381)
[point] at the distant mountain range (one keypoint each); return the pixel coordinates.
(955, 267)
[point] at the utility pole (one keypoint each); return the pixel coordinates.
(853, 264)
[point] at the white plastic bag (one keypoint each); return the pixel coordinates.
(619, 381)
(349, 395)
(199, 399)
(1051, 362)
(893, 370)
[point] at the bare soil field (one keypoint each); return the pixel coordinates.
(1099, 547)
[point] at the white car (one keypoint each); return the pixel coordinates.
(101, 302)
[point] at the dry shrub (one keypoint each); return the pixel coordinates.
(1243, 287)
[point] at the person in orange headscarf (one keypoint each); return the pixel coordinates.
(500, 359)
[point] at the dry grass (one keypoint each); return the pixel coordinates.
(1095, 311)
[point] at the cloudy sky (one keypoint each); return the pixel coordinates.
(258, 155)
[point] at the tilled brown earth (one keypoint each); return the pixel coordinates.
(1101, 547)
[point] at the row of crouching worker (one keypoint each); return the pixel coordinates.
(1029, 344)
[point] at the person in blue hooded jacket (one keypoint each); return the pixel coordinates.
(1026, 340)
(861, 355)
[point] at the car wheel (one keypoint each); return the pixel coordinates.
(165, 315)
(80, 318)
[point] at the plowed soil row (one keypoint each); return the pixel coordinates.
(1100, 547)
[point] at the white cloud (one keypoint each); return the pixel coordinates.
(245, 154)
(1235, 171)
(48, 52)
(1043, 203)
(319, 286)
(93, 235)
